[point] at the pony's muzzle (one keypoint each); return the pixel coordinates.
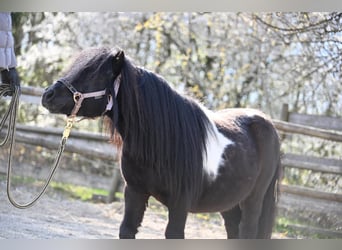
(48, 96)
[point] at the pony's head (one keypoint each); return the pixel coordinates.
(91, 76)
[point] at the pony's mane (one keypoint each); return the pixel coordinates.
(161, 129)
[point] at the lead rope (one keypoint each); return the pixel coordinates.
(10, 136)
(65, 136)
(6, 89)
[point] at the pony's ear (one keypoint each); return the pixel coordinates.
(118, 60)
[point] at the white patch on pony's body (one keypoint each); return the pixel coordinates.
(215, 145)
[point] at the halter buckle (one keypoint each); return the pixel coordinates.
(77, 97)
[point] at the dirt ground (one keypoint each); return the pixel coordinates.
(58, 217)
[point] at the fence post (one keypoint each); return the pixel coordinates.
(116, 181)
(284, 116)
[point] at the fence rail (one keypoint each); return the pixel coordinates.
(317, 164)
(326, 134)
(309, 192)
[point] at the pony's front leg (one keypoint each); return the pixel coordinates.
(135, 205)
(176, 224)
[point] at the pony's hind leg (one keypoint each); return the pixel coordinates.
(257, 210)
(268, 214)
(231, 222)
(135, 205)
(251, 210)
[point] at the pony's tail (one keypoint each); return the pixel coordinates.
(267, 218)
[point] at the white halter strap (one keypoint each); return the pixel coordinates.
(116, 90)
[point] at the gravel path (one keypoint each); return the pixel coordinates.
(58, 217)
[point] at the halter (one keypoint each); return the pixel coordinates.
(79, 96)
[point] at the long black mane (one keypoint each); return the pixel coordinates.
(162, 129)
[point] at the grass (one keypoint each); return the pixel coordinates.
(78, 192)
(282, 226)
(69, 190)
(295, 229)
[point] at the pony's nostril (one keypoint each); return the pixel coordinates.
(48, 95)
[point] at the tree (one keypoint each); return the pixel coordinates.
(312, 61)
(225, 59)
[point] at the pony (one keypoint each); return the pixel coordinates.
(187, 157)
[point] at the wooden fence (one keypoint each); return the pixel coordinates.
(94, 145)
(323, 127)
(327, 205)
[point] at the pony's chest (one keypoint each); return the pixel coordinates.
(145, 180)
(134, 176)
(137, 175)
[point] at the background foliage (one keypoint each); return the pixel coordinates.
(225, 59)
(258, 60)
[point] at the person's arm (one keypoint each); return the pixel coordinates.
(8, 62)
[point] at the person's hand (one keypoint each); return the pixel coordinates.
(10, 77)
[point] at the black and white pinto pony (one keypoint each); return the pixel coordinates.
(174, 149)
